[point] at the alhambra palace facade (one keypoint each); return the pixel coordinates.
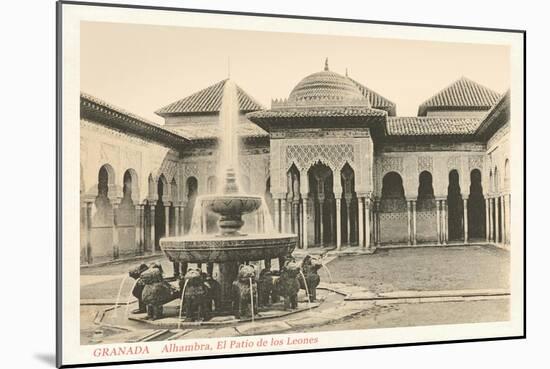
(335, 163)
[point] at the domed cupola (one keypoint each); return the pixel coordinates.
(323, 99)
(326, 88)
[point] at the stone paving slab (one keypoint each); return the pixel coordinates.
(106, 302)
(86, 280)
(444, 293)
(212, 333)
(262, 328)
(431, 296)
(179, 333)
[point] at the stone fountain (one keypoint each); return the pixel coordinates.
(229, 247)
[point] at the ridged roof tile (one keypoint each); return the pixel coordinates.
(202, 131)
(376, 100)
(463, 94)
(432, 126)
(208, 100)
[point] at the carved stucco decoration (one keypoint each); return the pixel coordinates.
(476, 162)
(391, 164)
(454, 162)
(425, 163)
(304, 156)
(191, 170)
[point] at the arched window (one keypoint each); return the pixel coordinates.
(426, 199)
(476, 207)
(455, 206)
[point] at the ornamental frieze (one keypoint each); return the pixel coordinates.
(391, 164)
(304, 156)
(191, 170)
(425, 163)
(476, 162)
(321, 133)
(454, 162)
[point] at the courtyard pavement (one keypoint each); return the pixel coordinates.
(401, 269)
(424, 269)
(391, 288)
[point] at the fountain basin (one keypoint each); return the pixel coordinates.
(231, 204)
(222, 249)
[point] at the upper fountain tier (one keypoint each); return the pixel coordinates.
(230, 204)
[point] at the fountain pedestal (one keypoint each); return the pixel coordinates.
(229, 248)
(228, 273)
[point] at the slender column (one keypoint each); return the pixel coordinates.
(321, 220)
(361, 210)
(176, 220)
(305, 242)
(465, 199)
(487, 221)
(366, 231)
(166, 220)
(283, 215)
(138, 228)
(296, 220)
(508, 217)
(152, 225)
(497, 220)
(444, 220)
(88, 231)
(182, 218)
(438, 220)
(413, 222)
(348, 220)
(377, 222)
(115, 231)
(338, 224)
(502, 217)
(409, 216)
(491, 219)
(276, 213)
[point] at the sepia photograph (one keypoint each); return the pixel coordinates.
(233, 185)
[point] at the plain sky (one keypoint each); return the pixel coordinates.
(142, 68)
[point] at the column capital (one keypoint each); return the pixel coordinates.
(115, 202)
(88, 198)
(411, 199)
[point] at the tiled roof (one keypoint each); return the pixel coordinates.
(463, 94)
(317, 112)
(496, 117)
(202, 131)
(102, 103)
(376, 100)
(99, 111)
(431, 126)
(208, 100)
